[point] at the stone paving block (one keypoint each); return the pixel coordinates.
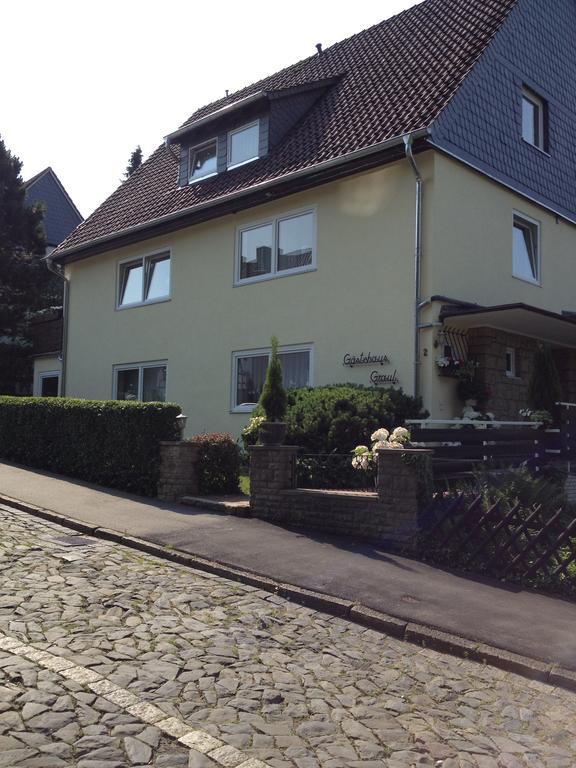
(200, 741)
(173, 727)
(227, 756)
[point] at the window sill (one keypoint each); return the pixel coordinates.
(202, 178)
(121, 307)
(536, 147)
(274, 276)
(535, 283)
(243, 408)
(244, 162)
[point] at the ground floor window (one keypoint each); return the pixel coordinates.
(510, 357)
(249, 371)
(142, 381)
(50, 384)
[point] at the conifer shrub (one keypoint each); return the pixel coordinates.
(273, 397)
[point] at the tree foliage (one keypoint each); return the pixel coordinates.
(544, 387)
(134, 162)
(25, 284)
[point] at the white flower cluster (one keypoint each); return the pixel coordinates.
(364, 457)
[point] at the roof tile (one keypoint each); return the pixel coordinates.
(395, 78)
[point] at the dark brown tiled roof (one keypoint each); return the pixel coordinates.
(394, 78)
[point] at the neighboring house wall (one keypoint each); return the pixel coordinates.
(482, 123)
(50, 365)
(359, 299)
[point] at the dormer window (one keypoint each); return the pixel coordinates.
(243, 144)
(534, 119)
(202, 161)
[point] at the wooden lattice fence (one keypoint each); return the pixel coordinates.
(530, 546)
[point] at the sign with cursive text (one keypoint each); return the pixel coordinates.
(377, 378)
(362, 359)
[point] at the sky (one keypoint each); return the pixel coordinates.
(84, 83)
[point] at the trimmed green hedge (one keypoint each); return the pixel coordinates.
(110, 442)
(218, 463)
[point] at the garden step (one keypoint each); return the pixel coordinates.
(231, 505)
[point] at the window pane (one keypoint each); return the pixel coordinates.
(295, 369)
(243, 145)
(154, 384)
(158, 278)
(295, 240)
(525, 259)
(49, 386)
(127, 384)
(529, 120)
(250, 374)
(202, 161)
(256, 251)
(132, 276)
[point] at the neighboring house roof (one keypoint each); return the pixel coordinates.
(392, 79)
(61, 215)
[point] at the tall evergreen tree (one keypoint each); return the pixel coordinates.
(25, 284)
(134, 162)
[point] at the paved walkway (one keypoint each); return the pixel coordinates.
(522, 622)
(110, 658)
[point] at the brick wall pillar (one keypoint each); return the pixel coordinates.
(178, 470)
(404, 484)
(272, 469)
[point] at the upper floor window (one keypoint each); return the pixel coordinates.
(143, 381)
(144, 280)
(243, 144)
(202, 161)
(534, 119)
(282, 246)
(526, 249)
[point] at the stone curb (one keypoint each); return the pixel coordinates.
(419, 634)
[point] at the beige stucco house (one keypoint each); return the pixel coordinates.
(397, 202)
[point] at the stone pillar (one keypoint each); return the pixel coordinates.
(272, 469)
(178, 470)
(404, 484)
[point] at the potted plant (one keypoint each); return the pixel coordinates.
(470, 388)
(272, 431)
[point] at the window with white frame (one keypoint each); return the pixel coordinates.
(202, 161)
(534, 119)
(141, 381)
(49, 384)
(249, 372)
(510, 362)
(281, 246)
(526, 249)
(143, 280)
(243, 144)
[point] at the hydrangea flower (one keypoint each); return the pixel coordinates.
(381, 444)
(380, 435)
(400, 435)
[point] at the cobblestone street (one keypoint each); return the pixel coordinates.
(112, 658)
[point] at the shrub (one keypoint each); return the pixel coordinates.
(337, 417)
(218, 463)
(273, 397)
(544, 387)
(110, 442)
